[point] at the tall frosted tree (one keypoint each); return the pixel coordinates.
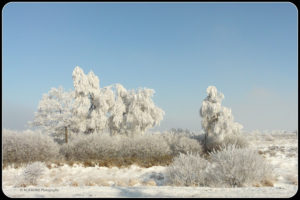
(217, 120)
(54, 114)
(91, 103)
(134, 111)
(116, 120)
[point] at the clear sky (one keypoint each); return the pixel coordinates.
(249, 51)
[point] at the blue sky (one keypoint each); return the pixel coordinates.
(249, 51)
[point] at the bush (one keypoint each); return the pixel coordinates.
(118, 149)
(146, 146)
(180, 143)
(103, 149)
(89, 147)
(27, 146)
(238, 140)
(236, 167)
(230, 167)
(187, 170)
(30, 174)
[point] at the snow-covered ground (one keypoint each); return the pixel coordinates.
(150, 191)
(79, 175)
(279, 148)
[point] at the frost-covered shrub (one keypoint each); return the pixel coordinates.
(236, 167)
(90, 147)
(187, 170)
(95, 147)
(229, 167)
(159, 148)
(238, 140)
(181, 143)
(145, 146)
(31, 173)
(27, 146)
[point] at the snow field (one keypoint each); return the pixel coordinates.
(78, 175)
(152, 191)
(280, 149)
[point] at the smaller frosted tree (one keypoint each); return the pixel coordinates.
(217, 120)
(54, 115)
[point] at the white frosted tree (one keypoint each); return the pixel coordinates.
(134, 112)
(91, 109)
(116, 120)
(91, 103)
(217, 120)
(54, 114)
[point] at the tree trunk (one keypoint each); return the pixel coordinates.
(205, 138)
(66, 134)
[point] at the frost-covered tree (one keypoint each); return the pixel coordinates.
(91, 103)
(217, 120)
(54, 115)
(90, 109)
(116, 121)
(134, 111)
